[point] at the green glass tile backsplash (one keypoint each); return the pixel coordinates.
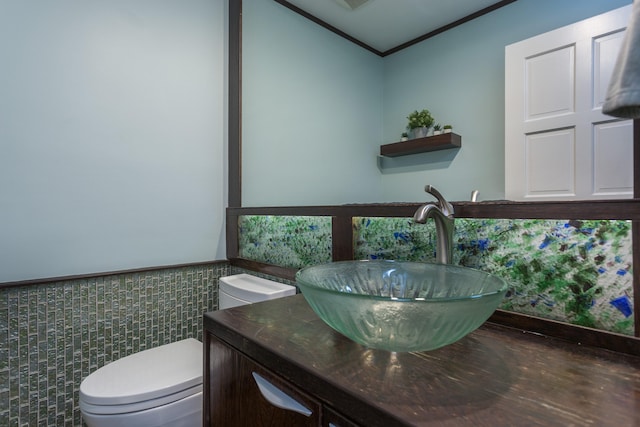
(287, 241)
(572, 271)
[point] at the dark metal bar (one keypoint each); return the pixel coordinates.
(232, 234)
(627, 209)
(635, 228)
(342, 238)
(235, 103)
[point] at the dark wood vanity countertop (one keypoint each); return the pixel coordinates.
(495, 376)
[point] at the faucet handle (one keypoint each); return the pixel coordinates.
(444, 206)
(474, 195)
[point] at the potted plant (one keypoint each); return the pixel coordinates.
(419, 123)
(404, 136)
(447, 128)
(436, 129)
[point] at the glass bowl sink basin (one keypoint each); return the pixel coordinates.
(401, 306)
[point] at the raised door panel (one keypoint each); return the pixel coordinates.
(550, 83)
(550, 167)
(605, 54)
(613, 151)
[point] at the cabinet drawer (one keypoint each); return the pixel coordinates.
(243, 393)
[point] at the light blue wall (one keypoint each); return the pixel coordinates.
(112, 135)
(459, 77)
(312, 112)
(316, 108)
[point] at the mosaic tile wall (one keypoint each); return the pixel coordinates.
(54, 335)
(573, 271)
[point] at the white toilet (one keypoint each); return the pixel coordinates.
(162, 386)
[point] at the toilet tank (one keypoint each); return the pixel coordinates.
(242, 289)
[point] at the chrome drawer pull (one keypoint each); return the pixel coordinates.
(278, 398)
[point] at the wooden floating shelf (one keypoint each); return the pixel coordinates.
(422, 145)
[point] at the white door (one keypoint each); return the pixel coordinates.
(558, 144)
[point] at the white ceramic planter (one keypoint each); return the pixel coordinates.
(420, 132)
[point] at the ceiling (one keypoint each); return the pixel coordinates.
(383, 26)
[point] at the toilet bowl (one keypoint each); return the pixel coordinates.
(162, 386)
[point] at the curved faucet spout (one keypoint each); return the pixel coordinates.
(442, 214)
(444, 206)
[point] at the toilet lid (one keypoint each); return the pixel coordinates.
(148, 375)
(252, 289)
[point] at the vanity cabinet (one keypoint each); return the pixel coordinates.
(243, 393)
(495, 376)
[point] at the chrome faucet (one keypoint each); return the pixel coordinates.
(442, 214)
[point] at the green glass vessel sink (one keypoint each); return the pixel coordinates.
(401, 306)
